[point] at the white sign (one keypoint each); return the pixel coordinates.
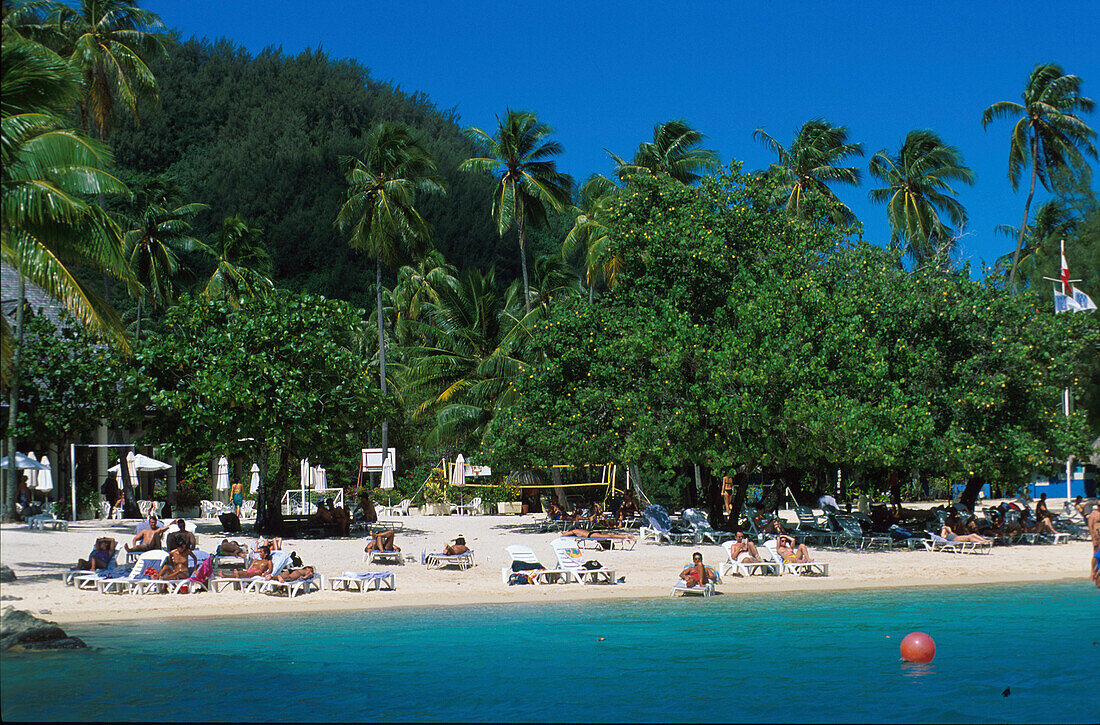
(478, 470)
(372, 459)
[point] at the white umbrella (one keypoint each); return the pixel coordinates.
(320, 479)
(22, 462)
(30, 476)
(387, 478)
(458, 473)
(305, 482)
(222, 479)
(142, 462)
(255, 487)
(45, 477)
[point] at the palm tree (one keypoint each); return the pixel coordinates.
(47, 227)
(918, 191)
(417, 288)
(1049, 136)
(158, 232)
(108, 42)
(474, 352)
(673, 151)
(521, 157)
(241, 262)
(1053, 221)
(380, 213)
(811, 164)
(589, 235)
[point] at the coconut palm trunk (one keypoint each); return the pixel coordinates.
(381, 355)
(1027, 210)
(13, 402)
(523, 254)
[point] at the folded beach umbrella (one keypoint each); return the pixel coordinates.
(222, 479)
(30, 475)
(458, 473)
(45, 476)
(255, 485)
(320, 479)
(387, 474)
(22, 462)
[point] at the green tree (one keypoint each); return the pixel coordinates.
(520, 157)
(1053, 222)
(158, 232)
(279, 378)
(588, 237)
(674, 150)
(46, 225)
(812, 163)
(918, 192)
(109, 43)
(241, 262)
(1050, 135)
(380, 215)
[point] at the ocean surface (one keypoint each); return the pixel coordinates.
(793, 657)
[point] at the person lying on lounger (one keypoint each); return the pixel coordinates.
(383, 541)
(232, 548)
(743, 550)
(950, 535)
(259, 567)
(182, 538)
(456, 547)
(291, 575)
(101, 555)
(274, 544)
(792, 552)
(584, 534)
(148, 538)
(628, 508)
(696, 575)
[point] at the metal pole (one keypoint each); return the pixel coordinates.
(72, 470)
(1069, 461)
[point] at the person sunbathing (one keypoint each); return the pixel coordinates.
(177, 565)
(274, 544)
(585, 534)
(292, 575)
(950, 535)
(232, 548)
(556, 512)
(456, 547)
(696, 575)
(791, 552)
(629, 507)
(383, 541)
(741, 549)
(100, 557)
(259, 567)
(148, 538)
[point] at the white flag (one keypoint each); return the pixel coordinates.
(1064, 303)
(1082, 301)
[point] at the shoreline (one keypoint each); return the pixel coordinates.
(40, 558)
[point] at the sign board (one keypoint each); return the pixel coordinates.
(372, 459)
(478, 470)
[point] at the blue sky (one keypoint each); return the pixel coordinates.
(603, 73)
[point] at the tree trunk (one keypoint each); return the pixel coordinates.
(269, 513)
(137, 331)
(740, 493)
(129, 501)
(1027, 209)
(523, 255)
(969, 496)
(13, 402)
(382, 358)
(895, 487)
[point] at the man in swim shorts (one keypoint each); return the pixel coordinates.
(456, 547)
(792, 552)
(696, 575)
(741, 549)
(148, 538)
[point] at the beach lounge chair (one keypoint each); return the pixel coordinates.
(852, 535)
(681, 589)
(771, 563)
(701, 528)
(279, 561)
(85, 578)
(41, 522)
(571, 560)
(439, 561)
(137, 576)
(803, 568)
(525, 554)
(305, 585)
(660, 527)
(958, 547)
(384, 557)
(401, 509)
(350, 580)
(810, 528)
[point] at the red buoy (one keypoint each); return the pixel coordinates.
(918, 647)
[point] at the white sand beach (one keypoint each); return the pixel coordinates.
(39, 560)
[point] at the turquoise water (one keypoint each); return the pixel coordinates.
(828, 657)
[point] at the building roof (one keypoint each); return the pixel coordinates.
(40, 301)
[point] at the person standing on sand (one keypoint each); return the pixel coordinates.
(238, 497)
(1093, 520)
(727, 495)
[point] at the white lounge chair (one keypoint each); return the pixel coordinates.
(187, 585)
(384, 557)
(316, 582)
(770, 562)
(959, 547)
(681, 589)
(86, 578)
(571, 560)
(279, 561)
(350, 580)
(519, 552)
(137, 576)
(805, 568)
(472, 508)
(401, 509)
(47, 521)
(439, 561)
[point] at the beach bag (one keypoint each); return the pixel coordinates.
(592, 564)
(151, 572)
(230, 522)
(518, 578)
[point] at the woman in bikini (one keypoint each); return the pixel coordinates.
(584, 534)
(950, 535)
(259, 567)
(176, 566)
